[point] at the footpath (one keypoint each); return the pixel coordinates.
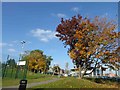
(30, 85)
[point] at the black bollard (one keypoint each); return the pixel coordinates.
(23, 84)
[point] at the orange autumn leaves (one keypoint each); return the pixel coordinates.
(36, 60)
(88, 38)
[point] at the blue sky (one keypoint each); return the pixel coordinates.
(36, 24)
(60, 1)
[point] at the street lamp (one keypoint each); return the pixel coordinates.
(23, 42)
(23, 82)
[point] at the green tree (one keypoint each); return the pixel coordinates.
(0, 68)
(11, 63)
(48, 62)
(0, 65)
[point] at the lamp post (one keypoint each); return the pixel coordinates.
(23, 82)
(25, 67)
(20, 57)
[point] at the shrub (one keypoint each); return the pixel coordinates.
(98, 80)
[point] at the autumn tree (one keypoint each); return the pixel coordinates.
(37, 61)
(114, 59)
(56, 69)
(89, 41)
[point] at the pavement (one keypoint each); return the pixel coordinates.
(30, 85)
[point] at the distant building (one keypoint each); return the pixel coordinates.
(99, 71)
(112, 75)
(74, 72)
(119, 73)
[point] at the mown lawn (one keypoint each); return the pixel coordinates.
(0, 81)
(72, 82)
(31, 77)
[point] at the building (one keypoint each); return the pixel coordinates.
(119, 73)
(99, 71)
(112, 75)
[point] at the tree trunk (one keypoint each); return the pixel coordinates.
(80, 71)
(84, 73)
(101, 72)
(53, 72)
(44, 70)
(116, 72)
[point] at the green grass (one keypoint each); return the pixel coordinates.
(72, 82)
(101, 81)
(11, 73)
(39, 77)
(10, 82)
(31, 77)
(0, 81)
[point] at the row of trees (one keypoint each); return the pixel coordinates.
(36, 60)
(10, 62)
(91, 42)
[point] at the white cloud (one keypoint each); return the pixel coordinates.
(105, 15)
(59, 15)
(43, 35)
(5, 44)
(11, 50)
(10, 45)
(2, 44)
(75, 9)
(15, 41)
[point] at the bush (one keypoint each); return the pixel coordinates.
(98, 80)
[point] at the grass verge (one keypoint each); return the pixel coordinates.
(72, 82)
(31, 77)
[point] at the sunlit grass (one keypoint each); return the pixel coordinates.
(0, 81)
(72, 82)
(31, 77)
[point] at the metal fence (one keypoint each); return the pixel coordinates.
(10, 70)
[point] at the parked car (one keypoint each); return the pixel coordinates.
(66, 75)
(118, 79)
(105, 77)
(74, 74)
